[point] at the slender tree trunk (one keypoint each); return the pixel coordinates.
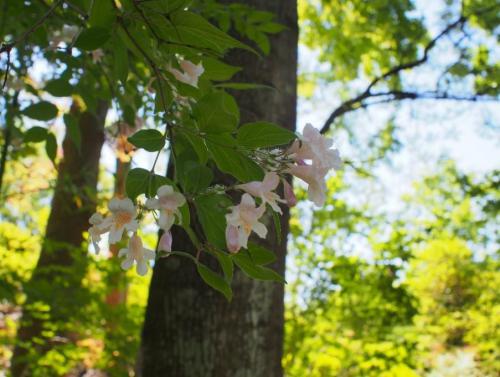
(62, 261)
(191, 330)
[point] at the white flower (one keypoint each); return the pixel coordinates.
(123, 217)
(264, 190)
(245, 218)
(136, 252)
(314, 146)
(314, 176)
(168, 202)
(97, 229)
(190, 72)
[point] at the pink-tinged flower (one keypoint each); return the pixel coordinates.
(165, 243)
(168, 202)
(97, 55)
(263, 190)
(138, 253)
(291, 199)
(245, 218)
(232, 239)
(314, 146)
(123, 217)
(97, 229)
(314, 176)
(190, 72)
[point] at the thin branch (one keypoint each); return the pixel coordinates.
(8, 46)
(360, 100)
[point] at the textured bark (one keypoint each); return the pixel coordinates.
(62, 260)
(190, 330)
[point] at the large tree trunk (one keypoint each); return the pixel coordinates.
(62, 263)
(190, 330)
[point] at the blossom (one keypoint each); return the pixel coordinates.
(97, 55)
(314, 176)
(314, 146)
(232, 239)
(123, 217)
(138, 253)
(190, 72)
(263, 190)
(291, 199)
(243, 219)
(165, 243)
(168, 202)
(97, 229)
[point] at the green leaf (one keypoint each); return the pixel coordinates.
(263, 134)
(195, 177)
(73, 130)
(217, 113)
(120, 60)
(51, 146)
(92, 38)
(230, 160)
(260, 255)
(59, 88)
(215, 281)
(217, 70)
(102, 14)
(192, 29)
(197, 143)
(35, 134)
(150, 140)
(226, 264)
(211, 210)
(137, 182)
(43, 111)
(253, 270)
(277, 226)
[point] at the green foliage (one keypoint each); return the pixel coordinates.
(421, 295)
(263, 134)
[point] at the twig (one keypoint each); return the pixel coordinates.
(360, 100)
(8, 46)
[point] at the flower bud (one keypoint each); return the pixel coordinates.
(291, 199)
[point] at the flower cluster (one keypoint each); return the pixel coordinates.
(309, 158)
(311, 147)
(316, 149)
(123, 218)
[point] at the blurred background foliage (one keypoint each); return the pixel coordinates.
(374, 290)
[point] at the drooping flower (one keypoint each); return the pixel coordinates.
(317, 148)
(97, 229)
(314, 176)
(232, 239)
(97, 55)
(190, 72)
(314, 158)
(165, 243)
(168, 202)
(123, 217)
(264, 190)
(245, 218)
(136, 252)
(291, 199)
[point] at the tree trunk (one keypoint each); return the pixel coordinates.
(62, 261)
(190, 330)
